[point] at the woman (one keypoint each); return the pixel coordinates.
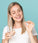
(18, 30)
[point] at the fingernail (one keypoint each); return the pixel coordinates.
(27, 23)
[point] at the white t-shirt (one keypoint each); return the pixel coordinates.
(18, 38)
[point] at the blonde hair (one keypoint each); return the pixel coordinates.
(11, 21)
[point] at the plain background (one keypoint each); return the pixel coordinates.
(30, 8)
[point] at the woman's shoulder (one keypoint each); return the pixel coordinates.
(5, 28)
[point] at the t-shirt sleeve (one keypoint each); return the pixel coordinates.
(34, 31)
(4, 31)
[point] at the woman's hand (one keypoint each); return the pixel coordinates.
(29, 26)
(8, 35)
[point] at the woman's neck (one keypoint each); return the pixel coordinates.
(17, 25)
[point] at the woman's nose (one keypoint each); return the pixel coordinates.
(17, 13)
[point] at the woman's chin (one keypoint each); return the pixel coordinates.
(18, 20)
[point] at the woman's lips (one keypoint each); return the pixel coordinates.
(18, 17)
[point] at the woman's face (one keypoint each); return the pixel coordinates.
(16, 13)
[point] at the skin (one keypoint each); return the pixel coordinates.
(16, 12)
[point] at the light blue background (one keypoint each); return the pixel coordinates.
(30, 8)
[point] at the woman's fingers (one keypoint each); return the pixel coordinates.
(12, 33)
(30, 22)
(7, 35)
(29, 25)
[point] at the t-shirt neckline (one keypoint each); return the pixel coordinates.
(16, 28)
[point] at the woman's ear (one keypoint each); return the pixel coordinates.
(10, 15)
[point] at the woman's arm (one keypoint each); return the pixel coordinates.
(4, 35)
(29, 27)
(33, 39)
(4, 41)
(7, 36)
